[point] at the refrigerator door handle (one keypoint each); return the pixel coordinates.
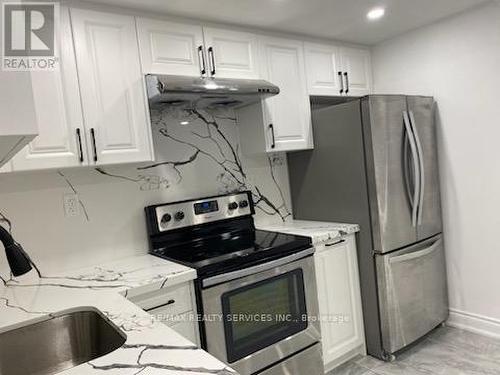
(421, 169)
(416, 172)
(409, 183)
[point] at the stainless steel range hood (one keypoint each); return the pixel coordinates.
(203, 92)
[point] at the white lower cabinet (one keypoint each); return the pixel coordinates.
(339, 297)
(175, 307)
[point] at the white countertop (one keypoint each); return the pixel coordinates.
(319, 231)
(150, 347)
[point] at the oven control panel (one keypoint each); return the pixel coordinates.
(177, 215)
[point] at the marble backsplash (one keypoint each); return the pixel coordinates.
(197, 154)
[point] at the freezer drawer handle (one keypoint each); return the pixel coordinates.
(417, 254)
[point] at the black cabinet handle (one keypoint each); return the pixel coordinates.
(341, 83)
(212, 60)
(79, 144)
(334, 243)
(346, 75)
(169, 302)
(201, 58)
(94, 147)
(273, 140)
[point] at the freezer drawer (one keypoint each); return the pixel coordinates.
(413, 292)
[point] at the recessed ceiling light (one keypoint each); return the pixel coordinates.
(184, 122)
(375, 14)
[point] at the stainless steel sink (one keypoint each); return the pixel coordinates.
(57, 344)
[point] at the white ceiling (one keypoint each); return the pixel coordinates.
(343, 20)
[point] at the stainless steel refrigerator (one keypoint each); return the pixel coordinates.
(374, 163)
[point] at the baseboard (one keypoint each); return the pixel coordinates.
(474, 323)
(360, 350)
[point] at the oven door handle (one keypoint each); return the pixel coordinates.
(218, 279)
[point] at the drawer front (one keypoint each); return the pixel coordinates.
(169, 301)
(413, 292)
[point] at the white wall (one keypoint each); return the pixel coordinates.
(458, 62)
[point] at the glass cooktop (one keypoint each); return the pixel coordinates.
(217, 252)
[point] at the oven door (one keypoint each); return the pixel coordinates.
(267, 314)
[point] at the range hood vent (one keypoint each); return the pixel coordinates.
(199, 92)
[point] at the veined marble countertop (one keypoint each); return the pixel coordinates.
(150, 347)
(319, 231)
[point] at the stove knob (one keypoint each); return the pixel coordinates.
(179, 215)
(244, 204)
(166, 218)
(232, 206)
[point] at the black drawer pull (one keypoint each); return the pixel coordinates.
(334, 243)
(169, 302)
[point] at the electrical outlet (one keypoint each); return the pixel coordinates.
(71, 205)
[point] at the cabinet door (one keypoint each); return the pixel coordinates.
(112, 87)
(356, 63)
(58, 112)
(288, 114)
(339, 298)
(231, 54)
(171, 48)
(322, 66)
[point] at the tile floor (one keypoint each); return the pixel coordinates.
(446, 351)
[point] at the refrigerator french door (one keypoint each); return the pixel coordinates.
(374, 163)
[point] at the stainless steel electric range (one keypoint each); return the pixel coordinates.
(256, 290)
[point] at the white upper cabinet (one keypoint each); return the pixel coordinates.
(356, 67)
(231, 54)
(112, 88)
(171, 48)
(322, 63)
(288, 114)
(58, 113)
(180, 49)
(336, 71)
